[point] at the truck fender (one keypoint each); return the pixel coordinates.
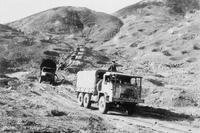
(103, 94)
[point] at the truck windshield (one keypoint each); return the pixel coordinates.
(127, 80)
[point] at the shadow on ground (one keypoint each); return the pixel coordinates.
(162, 114)
(157, 113)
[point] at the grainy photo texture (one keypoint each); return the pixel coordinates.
(100, 66)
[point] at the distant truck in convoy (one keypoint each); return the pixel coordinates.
(111, 90)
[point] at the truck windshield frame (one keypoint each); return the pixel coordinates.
(123, 79)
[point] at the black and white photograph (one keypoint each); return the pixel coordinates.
(99, 66)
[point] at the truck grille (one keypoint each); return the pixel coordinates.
(129, 93)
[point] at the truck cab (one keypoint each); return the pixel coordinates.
(110, 90)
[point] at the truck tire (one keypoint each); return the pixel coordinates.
(80, 99)
(99, 84)
(41, 79)
(87, 100)
(103, 106)
(131, 109)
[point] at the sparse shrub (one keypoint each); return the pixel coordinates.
(105, 40)
(51, 53)
(19, 57)
(131, 24)
(173, 65)
(190, 60)
(4, 65)
(101, 29)
(196, 46)
(156, 50)
(166, 53)
(29, 123)
(141, 48)
(46, 41)
(147, 21)
(185, 99)
(182, 6)
(57, 113)
(153, 32)
(148, 14)
(175, 58)
(28, 42)
(135, 44)
(141, 30)
(134, 34)
(122, 36)
(157, 43)
(2, 48)
(159, 76)
(188, 36)
(92, 41)
(124, 17)
(185, 52)
(156, 82)
(131, 28)
(101, 62)
(8, 36)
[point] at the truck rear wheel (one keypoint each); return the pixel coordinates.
(87, 100)
(80, 99)
(103, 106)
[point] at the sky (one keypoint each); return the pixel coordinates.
(11, 10)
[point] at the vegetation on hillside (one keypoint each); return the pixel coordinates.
(182, 6)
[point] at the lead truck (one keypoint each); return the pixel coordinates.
(111, 90)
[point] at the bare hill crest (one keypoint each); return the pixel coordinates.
(71, 20)
(174, 7)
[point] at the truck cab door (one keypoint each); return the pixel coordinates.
(107, 88)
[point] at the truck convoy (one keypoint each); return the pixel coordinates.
(111, 90)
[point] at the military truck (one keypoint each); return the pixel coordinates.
(111, 90)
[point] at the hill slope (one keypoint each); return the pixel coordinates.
(96, 26)
(16, 49)
(164, 48)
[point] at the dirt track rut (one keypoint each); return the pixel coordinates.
(142, 123)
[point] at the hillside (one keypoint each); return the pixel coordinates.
(15, 49)
(96, 26)
(164, 48)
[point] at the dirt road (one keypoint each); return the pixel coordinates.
(31, 106)
(148, 119)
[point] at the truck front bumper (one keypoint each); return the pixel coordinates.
(128, 100)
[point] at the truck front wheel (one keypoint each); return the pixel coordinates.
(131, 109)
(103, 106)
(87, 100)
(80, 99)
(41, 79)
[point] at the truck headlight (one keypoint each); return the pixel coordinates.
(43, 73)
